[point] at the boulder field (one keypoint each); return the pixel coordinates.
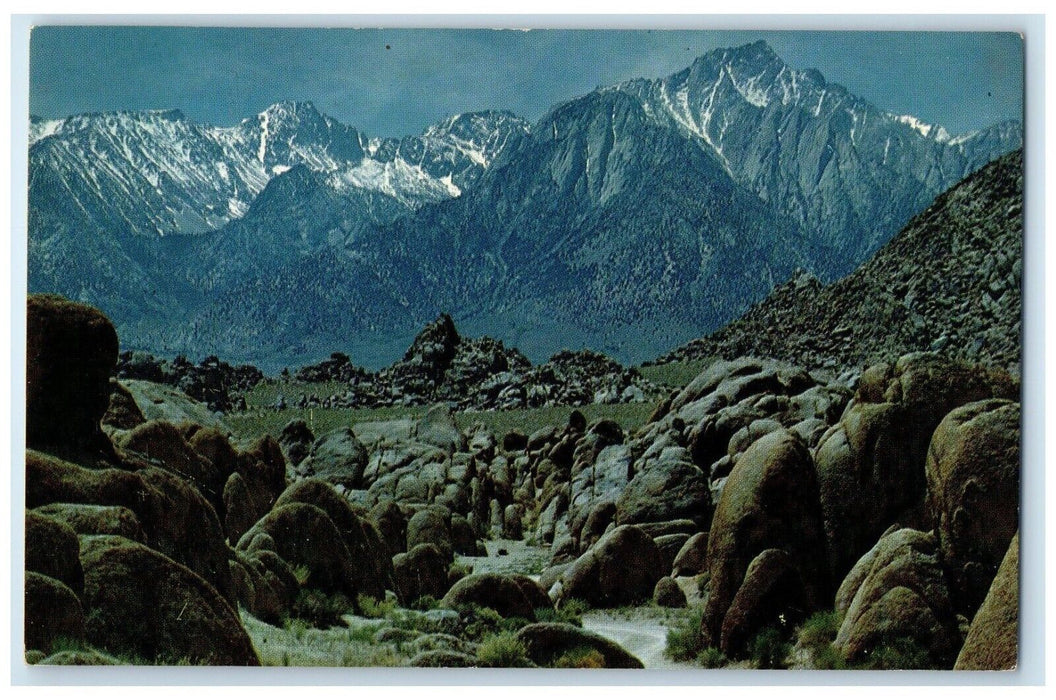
(760, 492)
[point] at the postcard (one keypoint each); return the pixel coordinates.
(555, 349)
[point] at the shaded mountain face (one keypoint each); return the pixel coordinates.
(950, 281)
(629, 220)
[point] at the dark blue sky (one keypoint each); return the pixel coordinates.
(397, 82)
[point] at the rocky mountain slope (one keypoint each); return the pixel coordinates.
(630, 219)
(950, 281)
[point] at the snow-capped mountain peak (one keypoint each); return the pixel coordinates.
(661, 204)
(155, 172)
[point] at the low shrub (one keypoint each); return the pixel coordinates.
(479, 622)
(296, 626)
(458, 571)
(363, 633)
(829, 658)
(425, 602)
(684, 640)
(503, 650)
(820, 629)
(301, 573)
(712, 657)
(319, 609)
(566, 615)
(580, 657)
(374, 608)
(897, 654)
(770, 649)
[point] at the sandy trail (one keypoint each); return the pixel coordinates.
(644, 637)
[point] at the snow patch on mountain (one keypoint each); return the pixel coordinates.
(43, 128)
(753, 90)
(406, 183)
(931, 131)
(263, 148)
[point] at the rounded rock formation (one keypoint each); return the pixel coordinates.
(141, 603)
(621, 569)
(495, 591)
(71, 352)
(973, 489)
(770, 501)
(992, 643)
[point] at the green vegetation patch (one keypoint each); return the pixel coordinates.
(267, 392)
(580, 657)
(630, 416)
(674, 374)
(684, 640)
(503, 650)
(770, 649)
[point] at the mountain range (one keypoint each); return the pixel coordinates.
(629, 220)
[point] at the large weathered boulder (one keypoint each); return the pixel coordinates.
(240, 511)
(871, 466)
(170, 404)
(902, 596)
(992, 643)
(123, 413)
(735, 380)
(669, 546)
(533, 591)
(443, 658)
(392, 524)
(53, 613)
(973, 490)
(552, 575)
(338, 458)
(621, 569)
(594, 490)
(71, 351)
(175, 517)
(430, 526)
(867, 477)
(296, 440)
(52, 549)
(546, 642)
(438, 427)
(86, 519)
(464, 538)
(265, 464)
(215, 447)
(495, 591)
(668, 594)
(164, 445)
(305, 536)
(265, 584)
(772, 595)
(600, 516)
(513, 521)
(770, 501)
(692, 557)
(141, 603)
(931, 386)
(422, 571)
(667, 488)
(370, 556)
